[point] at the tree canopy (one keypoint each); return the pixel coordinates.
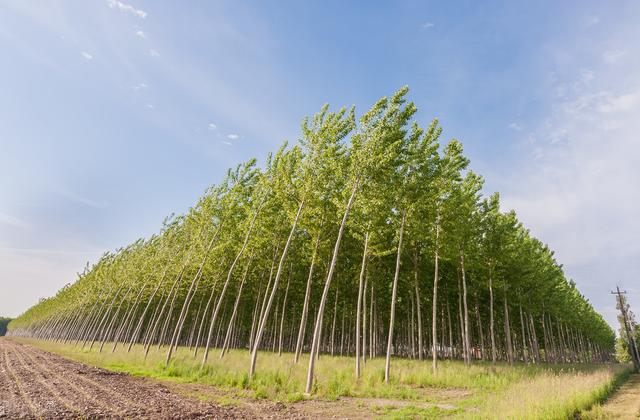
(338, 243)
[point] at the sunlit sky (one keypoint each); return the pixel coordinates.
(114, 114)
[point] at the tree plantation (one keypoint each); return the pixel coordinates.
(366, 238)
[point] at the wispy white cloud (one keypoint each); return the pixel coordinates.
(139, 86)
(12, 221)
(127, 8)
(141, 34)
(233, 136)
(427, 25)
(154, 53)
(592, 20)
(614, 56)
(87, 55)
(150, 106)
(515, 126)
(212, 126)
(75, 197)
(576, 185)
(226, 142)
(620, 103)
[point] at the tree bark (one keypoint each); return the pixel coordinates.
(491, 321)
(467, 338)
(262, 324)
(226, 284)
(434, 331)
(359, 305)
(305, 307)
(323, 299)
(392, 317)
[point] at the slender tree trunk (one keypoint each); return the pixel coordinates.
(394, 289)
(136, 331)
(359, 305)
(323, 300)
(525, 353)
(226, 284)
(364, 319)
(371, 327)
(305, 307)
(263, 321)
(480, 332)
(434, 331)
(333, 324)
(254, 319)
(284, 307)
(419, 313)
(491, 321)
(461, 321)
(507, 330)
(235, 309)
(194, 325)
(467, 337)
(412, 326)
(189, 297)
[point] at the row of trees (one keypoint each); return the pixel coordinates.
(365, 238)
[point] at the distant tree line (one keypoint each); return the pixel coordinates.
(3, 325)
(365, 238)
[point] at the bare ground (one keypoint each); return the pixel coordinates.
(625, 402)
(37, 384)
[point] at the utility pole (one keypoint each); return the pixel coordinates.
(632, 342)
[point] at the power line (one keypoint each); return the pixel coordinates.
(632, 343)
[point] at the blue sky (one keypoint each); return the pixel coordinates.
(114, 114)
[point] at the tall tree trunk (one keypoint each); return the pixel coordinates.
(461, 321)
(262, 324)
(235, 309)
(284, 308)
(305, 307)
(333, 324)
(394, 289)
(434, 331)
(359, 305)
(480, 332)
(226, 284)
(525, 352)
(189, 297)
(491, 321)
(323, 300)
(419, 313)
(412, 326)
(507, 330)
(364, 319)
(371, 326)
(467, 336)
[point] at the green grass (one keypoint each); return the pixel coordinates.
(482, 390)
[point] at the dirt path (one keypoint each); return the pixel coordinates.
(37, 384)
(625, 402)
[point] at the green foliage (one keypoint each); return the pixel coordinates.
(3, 325)
(180, 285)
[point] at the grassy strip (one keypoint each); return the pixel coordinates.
(482, 390)
(594, 410)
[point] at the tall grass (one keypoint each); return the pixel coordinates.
(481, 390)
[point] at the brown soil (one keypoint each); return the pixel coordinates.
(37, 384)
